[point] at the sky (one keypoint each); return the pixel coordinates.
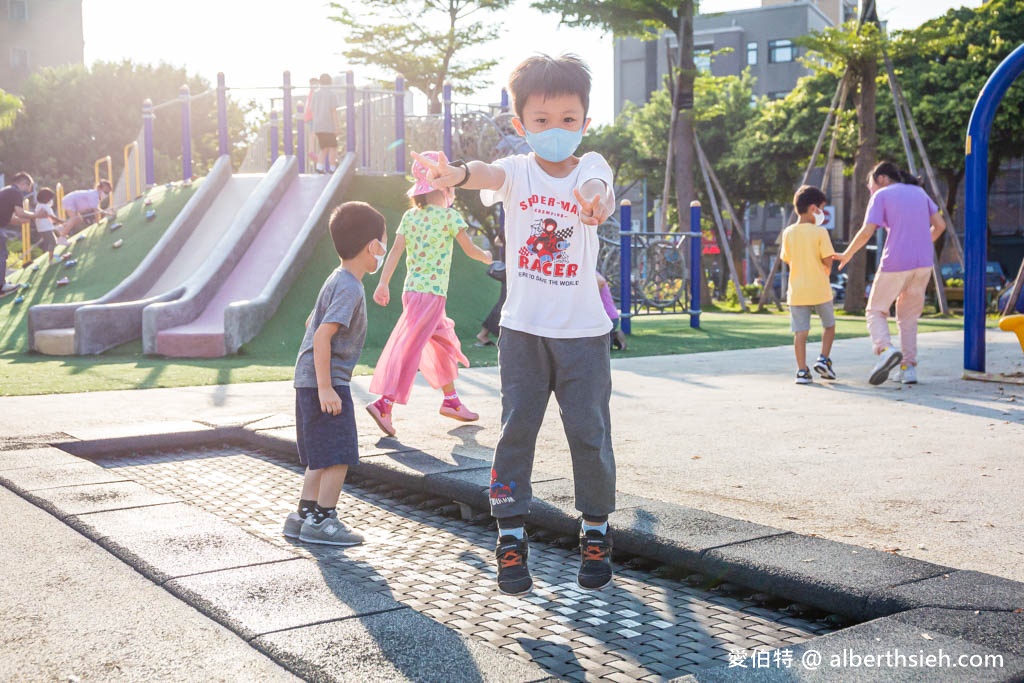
(253, 48)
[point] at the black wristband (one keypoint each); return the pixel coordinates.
(459, 163)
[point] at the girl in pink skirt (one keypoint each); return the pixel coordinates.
(424, 336)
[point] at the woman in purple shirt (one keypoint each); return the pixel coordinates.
(912, 222)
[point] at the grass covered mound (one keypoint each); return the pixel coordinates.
(98, 267)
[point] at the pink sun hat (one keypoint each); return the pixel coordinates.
(422, 184)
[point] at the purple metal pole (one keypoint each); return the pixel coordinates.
(350, 111)
(625, 266)
(288, 113)
(696, 247)
(400, 124)
(147, 139)
(222, 116)
(300, 122)
(504, 100)
(447, 97)
(186, 132)
(367, 103)
(273, 136)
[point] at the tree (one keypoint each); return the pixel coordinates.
(648, 19)
(73, 115)
(10, 105)
(420, 39)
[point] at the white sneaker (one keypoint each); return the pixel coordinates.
(887, 360)
(62, 241)
(908, 374)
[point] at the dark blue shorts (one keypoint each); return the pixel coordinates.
(324, 439)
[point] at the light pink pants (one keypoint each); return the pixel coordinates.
(906, 288)
(423, 339)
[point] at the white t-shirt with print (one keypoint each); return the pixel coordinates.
(551, 257)
(45, 224)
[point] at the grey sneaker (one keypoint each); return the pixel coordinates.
(887, 360)
(331, 531)
(293, 525)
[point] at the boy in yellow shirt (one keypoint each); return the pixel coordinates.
(807, 249)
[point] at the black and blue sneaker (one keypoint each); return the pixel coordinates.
(513, 574)
(595, 559)
(823, 366)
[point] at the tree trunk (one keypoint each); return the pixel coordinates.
(867, 151)
(682, 142)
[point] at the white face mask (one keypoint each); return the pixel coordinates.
(819, 218)
(380, 258)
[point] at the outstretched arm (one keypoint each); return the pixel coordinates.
(481, 175)
(472, 251)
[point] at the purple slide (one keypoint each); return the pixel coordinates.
(204, 337)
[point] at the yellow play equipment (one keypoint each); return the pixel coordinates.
(1015, 324)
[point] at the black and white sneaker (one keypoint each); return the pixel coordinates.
(595, 560)
(823, 366)
(804, 377)
(513, 573)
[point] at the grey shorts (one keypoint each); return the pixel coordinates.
(800, 316)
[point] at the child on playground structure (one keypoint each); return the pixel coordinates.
(554, 330)
(45, 226)
(82, 207)
(807, 249)
(424, 336)
(325, 420)
(325, 124)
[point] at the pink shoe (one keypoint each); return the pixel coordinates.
(457, 410)
(383, 419)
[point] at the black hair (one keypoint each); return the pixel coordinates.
(325, 79)
(549, 77)
(44, 195)
(806, 197)
(353, 225)
(893, 172)
(21, 176)
(100, 184)
(418, 201)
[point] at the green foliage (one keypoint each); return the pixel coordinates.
(72, 116)
(644, 18)
(420, 40)
(9, 108)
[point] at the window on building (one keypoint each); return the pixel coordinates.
(19, 58)
(751, 54)
(778, 95)
(780, 51)
(702, 59)
(17, 10)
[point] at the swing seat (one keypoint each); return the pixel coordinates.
(1015, 324)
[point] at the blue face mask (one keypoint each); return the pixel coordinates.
(554, 144)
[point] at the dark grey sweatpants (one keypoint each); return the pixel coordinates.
(578, 371)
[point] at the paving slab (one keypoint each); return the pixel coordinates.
(1002, 631)
(71, 611)
(284, 595)
(829, 575)
(968, 590)
(167, 541)
(36, 456)
(77, 500)
(900, 652)
(29, 479)
(379, 647)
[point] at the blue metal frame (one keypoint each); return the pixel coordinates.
(976, 205)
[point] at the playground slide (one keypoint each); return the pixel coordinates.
(89, 327)
(248, 200)
(249, 295)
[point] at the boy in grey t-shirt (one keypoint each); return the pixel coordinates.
(325, 420)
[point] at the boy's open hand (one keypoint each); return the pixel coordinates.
(330, 402)
(439, 173)
(592, 211)
(382, 295)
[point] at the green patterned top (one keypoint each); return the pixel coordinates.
(429, 234)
